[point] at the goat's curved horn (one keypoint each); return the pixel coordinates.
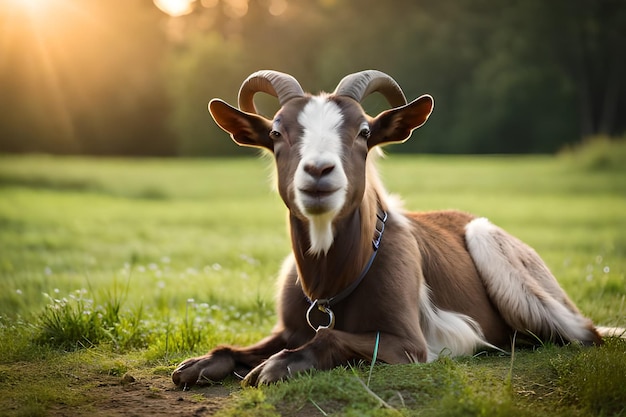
(361, 84)
(280, 85)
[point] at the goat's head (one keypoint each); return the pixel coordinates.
(320, 143)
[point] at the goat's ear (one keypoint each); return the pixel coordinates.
(245, 129)
(395, 125)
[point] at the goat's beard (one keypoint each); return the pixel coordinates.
(319, 213)
(321, 233)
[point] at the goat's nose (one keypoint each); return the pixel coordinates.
(319, 169)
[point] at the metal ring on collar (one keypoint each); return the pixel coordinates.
(324, 309)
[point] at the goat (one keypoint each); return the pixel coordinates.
(363, 273)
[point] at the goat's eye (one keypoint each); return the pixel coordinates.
(365, 133)
(274, 134)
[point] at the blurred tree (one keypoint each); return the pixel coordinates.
(588, 43)
(120, 77)
(205, 67)
(495, 68)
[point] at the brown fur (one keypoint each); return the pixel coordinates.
(431, 251)
(422, 254)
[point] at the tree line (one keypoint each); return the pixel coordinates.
(118, 77)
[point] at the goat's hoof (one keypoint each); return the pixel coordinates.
(279, 367)
(203, 370)
(261, 375)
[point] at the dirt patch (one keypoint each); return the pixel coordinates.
(150, 396)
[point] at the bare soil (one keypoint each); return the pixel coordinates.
(147, 396)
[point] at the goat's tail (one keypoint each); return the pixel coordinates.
(523, 289)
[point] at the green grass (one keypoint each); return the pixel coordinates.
(111, 265)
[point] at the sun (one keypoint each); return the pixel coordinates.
(175, 7)
(36, 40)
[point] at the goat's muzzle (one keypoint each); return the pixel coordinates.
(318, 198)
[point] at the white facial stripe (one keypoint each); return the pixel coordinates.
(320, 145)
(321, 120)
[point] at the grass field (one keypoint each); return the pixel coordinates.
(113, 270)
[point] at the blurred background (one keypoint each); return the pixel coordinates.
(133, 77)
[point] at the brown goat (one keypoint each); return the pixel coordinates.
(362, 270)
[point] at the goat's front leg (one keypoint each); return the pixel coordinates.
(224, 360)
(331, 348)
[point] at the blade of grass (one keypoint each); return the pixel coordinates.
(369, 377)
(373, 394)
(318, 407)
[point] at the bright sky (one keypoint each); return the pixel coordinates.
(234, 8)
(41, 7)
(37, 10)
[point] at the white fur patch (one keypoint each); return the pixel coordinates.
(522, 287)
(321, 121)
(396, 211)
(611, 331)
(321, 233)
(447, 332)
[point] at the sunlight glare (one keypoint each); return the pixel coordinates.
(33, 8)
(174, 8)
(39, 37)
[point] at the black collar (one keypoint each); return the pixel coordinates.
(324, 304)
